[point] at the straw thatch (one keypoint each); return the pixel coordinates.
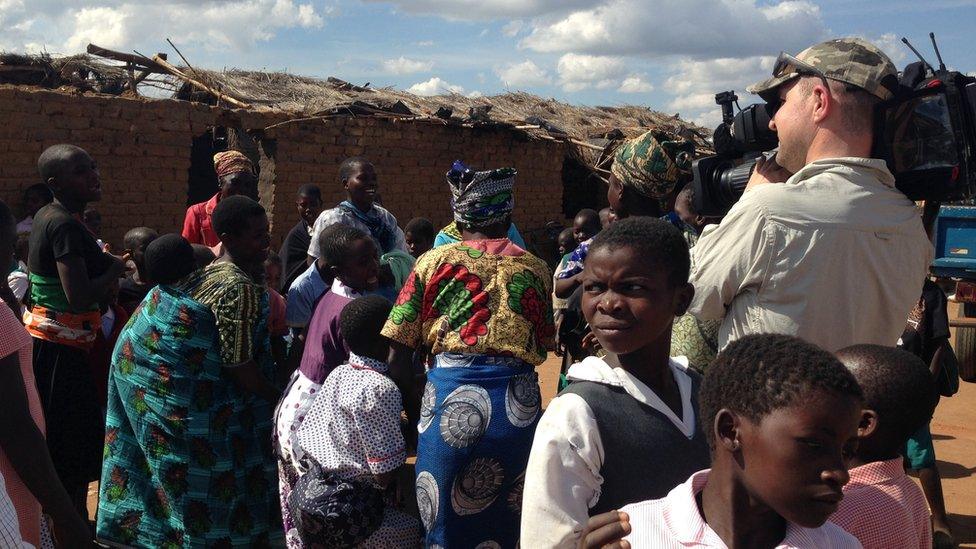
(591, 131)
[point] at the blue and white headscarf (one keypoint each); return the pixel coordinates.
(481, 198)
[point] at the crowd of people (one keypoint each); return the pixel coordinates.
(727, 381)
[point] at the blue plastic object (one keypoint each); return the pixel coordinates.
(955, 242)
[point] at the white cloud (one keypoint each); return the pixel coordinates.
(635, 84)
(104, 26)
(890, 43)
(434, 86)
(579, 72)
(403, 65)
(236, 25)
(695, 28)
(512, 28)
(487, 9)
(425, 43)
(475, 94)
(524, 74)
(693, 85)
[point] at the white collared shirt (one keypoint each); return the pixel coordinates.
(674, 522)
(835, 255)
(562, 479)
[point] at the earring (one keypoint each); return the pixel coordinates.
(735, 444)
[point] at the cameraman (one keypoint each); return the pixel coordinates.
(821, 245)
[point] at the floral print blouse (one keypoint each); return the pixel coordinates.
(486, 297)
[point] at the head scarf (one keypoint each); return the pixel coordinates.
(653, 163)
(401, 264)
(228, 162)
(481, 198)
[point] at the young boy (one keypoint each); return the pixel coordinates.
(353, 263)
(419, 236)
(607, 217)
(778, 449)
(294, 250)
(926, 336)
(565, 244)
(93, 220)
(135, 286)
(882, 507)
(36, 197)
(585, 226)
(626, 428)
(352, 433)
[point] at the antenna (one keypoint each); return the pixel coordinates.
(920, 58)
(942, 66)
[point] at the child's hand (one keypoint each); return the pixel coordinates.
(606, 530)
(590, 342)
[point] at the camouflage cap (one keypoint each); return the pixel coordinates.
(849, 60)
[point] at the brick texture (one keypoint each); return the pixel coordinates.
(142, 148)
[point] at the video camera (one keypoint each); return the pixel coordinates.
(926, 133)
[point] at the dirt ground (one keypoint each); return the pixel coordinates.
(954, 429)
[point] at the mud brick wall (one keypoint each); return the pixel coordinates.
(143, 149)
(411, 161)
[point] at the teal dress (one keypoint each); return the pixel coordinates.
(187, 458)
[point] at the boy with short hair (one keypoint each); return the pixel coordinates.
(882, 507)
(778, 450)
(135, 286)
(419, 236)
(294, 249)
(591, 448)
(586, 225)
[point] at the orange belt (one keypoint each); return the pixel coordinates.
(72, 329)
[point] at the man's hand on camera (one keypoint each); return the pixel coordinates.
(767, 171)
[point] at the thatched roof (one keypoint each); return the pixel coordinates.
(592, 130)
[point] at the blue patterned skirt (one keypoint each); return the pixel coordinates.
(477, 420)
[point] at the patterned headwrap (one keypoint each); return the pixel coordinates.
(653, 163)
(228, 162)
(481, 198)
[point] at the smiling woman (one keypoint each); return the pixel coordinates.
(360, 210)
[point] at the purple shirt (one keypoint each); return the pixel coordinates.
(325, 349)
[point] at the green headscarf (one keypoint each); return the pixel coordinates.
(653, 163)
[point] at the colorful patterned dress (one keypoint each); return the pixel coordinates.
(483, 309)
(187, 460)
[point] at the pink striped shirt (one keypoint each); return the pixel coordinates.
(673, 522)
(884, 508)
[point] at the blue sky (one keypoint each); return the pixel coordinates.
(671, 55)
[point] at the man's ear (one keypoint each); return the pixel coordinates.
(824, 102)
(727, 425)
(868, 424)
(682, 299)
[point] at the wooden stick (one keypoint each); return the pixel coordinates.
(585, 144)
(218, 94)
(131, 74)
(145, 73)
(181, 55)
(138, 59)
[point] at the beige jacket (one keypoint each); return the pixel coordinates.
(835, 255)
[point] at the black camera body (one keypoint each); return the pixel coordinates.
(926, 133)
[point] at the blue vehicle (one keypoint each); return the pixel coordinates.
(955, 265)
